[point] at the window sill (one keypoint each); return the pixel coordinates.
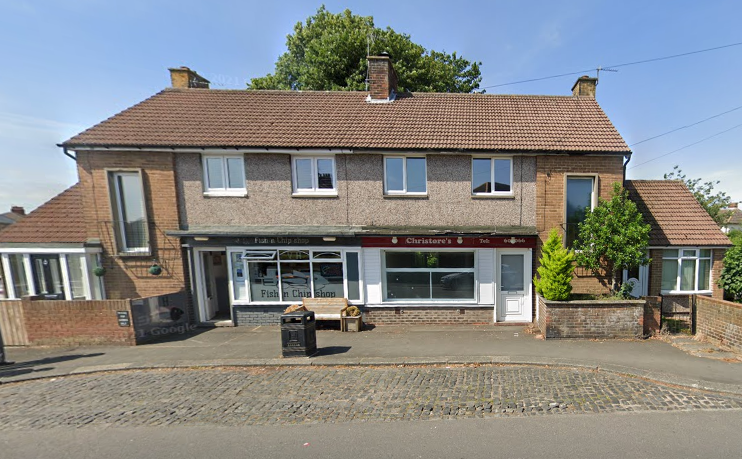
(308, 194)
(144, 253)
(493, 196)
(686, 292)
(406, 195)
(230, 194)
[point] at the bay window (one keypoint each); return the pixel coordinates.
(415, 275)
(53, 276)
(686, 270)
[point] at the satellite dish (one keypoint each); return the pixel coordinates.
(636, 287)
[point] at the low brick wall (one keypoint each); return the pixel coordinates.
(652, 315)
(591, 319)
(58, 323)
(431, 315)
(719, 321)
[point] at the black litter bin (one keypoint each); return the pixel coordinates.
(298, 334)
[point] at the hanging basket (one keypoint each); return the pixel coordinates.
(99, 271)
(155, 269)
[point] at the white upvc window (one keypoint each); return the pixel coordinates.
(129, 212)
(431, 275)
(54, 276)
(405, 175)
(224, 175)
(686, 270)
(314, 175)
(491, 176)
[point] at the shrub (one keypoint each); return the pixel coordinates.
(554, 278)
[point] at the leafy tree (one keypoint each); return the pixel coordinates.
(713, 202)
(329, 51)
(731, 276)
(613, 237)
(555, 272)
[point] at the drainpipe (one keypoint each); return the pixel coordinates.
(628, 158)
(67, 153)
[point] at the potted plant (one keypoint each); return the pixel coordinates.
(99, 271)
(155, 269)
(352, 319)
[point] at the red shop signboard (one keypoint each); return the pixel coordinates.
(451, 242)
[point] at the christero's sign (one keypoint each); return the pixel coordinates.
(450, 241)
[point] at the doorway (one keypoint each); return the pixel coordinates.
(47, 276)
(214, 301)
(514, 285)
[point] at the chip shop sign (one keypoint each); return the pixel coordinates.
(450, 242)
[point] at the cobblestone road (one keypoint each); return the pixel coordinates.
(289, 395)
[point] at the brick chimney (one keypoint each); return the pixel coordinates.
(183, 77)
(585, 86)
(382, 79)
(18, 210)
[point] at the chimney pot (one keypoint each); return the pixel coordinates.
(382, 78)
(585, 86)
(18, 210)
(183, 77)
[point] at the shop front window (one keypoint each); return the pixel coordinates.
(291, 275)
(412, 275)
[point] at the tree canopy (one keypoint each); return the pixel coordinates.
(329, 51)
(713, 201)
(613, 237)
(731, 275)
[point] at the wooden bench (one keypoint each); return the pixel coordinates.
(327, 308)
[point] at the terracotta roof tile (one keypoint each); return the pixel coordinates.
(293, 119)
(676, 217)
(60, 220)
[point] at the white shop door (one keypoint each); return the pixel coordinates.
(513, 288)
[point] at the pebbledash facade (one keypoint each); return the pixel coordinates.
(417, 207)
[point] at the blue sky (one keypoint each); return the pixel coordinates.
(67, 65)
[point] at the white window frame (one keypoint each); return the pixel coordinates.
(226, 190)
(273, 250)
(492, 176)
(116, 213)
(404, 191)
(593, 196)
(314, 190)
(697, 272)
(86, 268)
(474, 269)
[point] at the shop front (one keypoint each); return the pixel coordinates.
(251, 280)
(448, 279)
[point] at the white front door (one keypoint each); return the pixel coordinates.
(513, 286)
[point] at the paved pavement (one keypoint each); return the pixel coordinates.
(309, 395)
(395, 345)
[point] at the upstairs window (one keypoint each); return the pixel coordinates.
(580, 200)
(492, 176)
(314, 175)
(405, 175)
(129, 212)
(224, 175)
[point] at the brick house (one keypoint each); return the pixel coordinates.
(418, 207)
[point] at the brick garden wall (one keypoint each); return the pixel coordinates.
(652, 315)
(591, 319)
(57, 323)
(437, 315)
(257, 315)
(719, 321)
